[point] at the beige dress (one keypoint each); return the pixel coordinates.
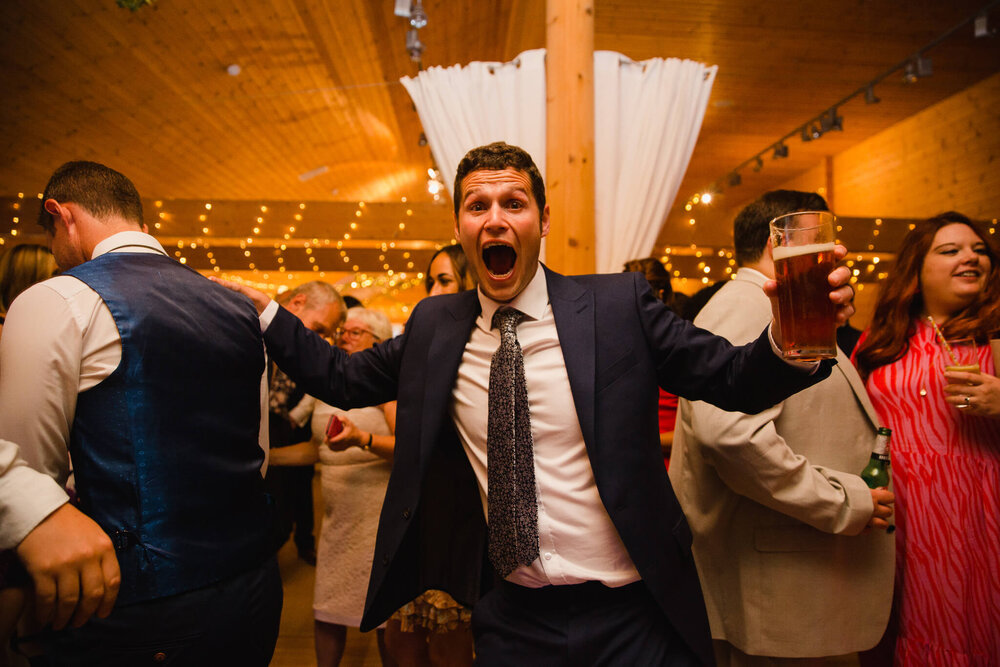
(353, 483)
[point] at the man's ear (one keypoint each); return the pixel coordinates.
(545, 221)
(55, 209)
(296, 303)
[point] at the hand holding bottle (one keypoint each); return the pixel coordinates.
(876, 476)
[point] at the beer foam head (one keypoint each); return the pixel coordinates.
(786, 252)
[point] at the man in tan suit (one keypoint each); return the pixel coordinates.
(788, 540)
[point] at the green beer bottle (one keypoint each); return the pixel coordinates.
(876, 473)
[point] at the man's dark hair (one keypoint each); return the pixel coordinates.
(497, 157)
(750, 228)
(100, 190)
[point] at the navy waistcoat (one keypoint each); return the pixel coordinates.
(166, 451)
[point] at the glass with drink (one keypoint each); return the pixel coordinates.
(960, 355)
(803, 246)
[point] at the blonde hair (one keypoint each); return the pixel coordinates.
(377, 321)
(21, 267)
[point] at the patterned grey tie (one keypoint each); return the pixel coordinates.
(513, 508)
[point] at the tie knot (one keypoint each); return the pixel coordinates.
(506, 320)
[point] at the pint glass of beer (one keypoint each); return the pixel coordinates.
(803, 259)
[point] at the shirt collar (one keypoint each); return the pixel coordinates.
(134, 240)
(532, 300)
(752, 275)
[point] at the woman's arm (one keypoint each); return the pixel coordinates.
(352, 436)
(301, 454)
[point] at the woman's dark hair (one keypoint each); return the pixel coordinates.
(464, 275)
(657, 276)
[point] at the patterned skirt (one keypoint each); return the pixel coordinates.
(435, 611)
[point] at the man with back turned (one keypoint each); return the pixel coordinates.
(536, 394)
(774, 499)
(152, 378)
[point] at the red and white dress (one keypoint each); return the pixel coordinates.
(946, 477)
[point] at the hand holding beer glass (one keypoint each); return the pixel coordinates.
(803, 248)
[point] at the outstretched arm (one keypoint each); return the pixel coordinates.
(260, 300)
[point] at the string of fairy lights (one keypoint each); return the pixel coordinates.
(691, 266)
(267, 232)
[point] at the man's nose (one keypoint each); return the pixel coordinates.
(495, 216)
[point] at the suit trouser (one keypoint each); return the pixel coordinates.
(581, 624)
(231, 622)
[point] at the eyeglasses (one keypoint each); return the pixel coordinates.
(354, 333)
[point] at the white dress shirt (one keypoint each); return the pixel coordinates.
(26, 496)
(576, 540)
(60, 339)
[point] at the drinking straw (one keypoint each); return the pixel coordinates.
(947, 347)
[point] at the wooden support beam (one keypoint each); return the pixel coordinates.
(569, 68)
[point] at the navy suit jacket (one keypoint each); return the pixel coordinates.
(619, 343)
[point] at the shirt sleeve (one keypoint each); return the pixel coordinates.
(40, 354)
(268, 314)
(755, 461)
(26, 496)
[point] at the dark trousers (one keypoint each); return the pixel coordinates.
(232, 622)
(291, 489)
(582, 624)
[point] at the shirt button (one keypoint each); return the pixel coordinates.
(548, 556)
(406, 513)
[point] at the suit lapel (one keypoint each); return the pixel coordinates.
(444, 355)
(854, 380)
(573, 310)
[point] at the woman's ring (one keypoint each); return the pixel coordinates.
(966, 403)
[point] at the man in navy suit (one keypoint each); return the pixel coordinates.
(614, 581)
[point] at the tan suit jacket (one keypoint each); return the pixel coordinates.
(775, 505)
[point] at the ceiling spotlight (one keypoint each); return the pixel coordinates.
(870, 95)
(981, 26)
(831, 121)
(734, 179)
(234, 70)
(413, 45)
(917, 68)
(418, 17)
(780, 150)
(758, 164)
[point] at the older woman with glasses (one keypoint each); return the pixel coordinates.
(354, 471)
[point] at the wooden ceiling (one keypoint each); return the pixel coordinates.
(316, 115)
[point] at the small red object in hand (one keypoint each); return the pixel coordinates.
(333, 427)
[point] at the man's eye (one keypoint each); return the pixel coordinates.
(476, 206)
(516, 204)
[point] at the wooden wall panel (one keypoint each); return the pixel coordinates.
(946, 157)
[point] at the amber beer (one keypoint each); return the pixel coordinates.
(803, 259)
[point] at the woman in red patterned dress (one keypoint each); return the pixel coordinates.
(945, 442)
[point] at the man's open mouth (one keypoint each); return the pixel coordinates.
(499, 259)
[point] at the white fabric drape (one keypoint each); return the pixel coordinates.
(464, 107)
(647, 117)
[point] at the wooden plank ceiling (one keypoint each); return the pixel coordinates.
(316, 122)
